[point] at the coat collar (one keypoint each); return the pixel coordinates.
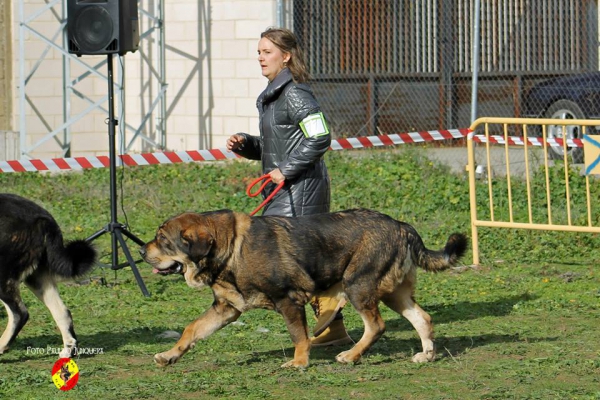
(275, 87)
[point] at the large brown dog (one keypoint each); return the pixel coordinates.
(279, 263)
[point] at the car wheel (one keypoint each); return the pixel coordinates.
(565, 109)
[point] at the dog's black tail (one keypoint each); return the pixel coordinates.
(435, 261)
(74, 259)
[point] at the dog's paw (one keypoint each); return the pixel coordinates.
(423, 357)
(164, 359)
(295, 364)
(347, 357)
(68, 352)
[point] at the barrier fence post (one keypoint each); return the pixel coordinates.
(472, 198)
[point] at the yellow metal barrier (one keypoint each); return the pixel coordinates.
(496, 138)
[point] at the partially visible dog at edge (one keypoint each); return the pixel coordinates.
(280, 263)
(32, 251)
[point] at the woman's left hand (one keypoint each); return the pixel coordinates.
(277, 176)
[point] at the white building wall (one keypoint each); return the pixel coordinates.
(220, 99)
(212, 74)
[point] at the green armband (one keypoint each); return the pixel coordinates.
(314, 126)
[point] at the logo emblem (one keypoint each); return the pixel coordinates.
(65, 374)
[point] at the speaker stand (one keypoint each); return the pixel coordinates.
(114, 228)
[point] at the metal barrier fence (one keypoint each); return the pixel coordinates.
(538, 186)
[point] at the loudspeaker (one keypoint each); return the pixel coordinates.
(102, 26)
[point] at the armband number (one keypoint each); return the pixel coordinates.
(314, 125)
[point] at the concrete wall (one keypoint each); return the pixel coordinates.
(212, 74)
(9, 145)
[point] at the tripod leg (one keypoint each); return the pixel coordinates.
(97, 234)
(136, 273)
(133, 237)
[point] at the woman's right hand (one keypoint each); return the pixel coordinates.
(235, 142)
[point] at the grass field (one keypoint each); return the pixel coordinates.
(521, 325)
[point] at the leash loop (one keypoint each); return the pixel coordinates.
(267, 179)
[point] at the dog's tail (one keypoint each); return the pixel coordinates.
(439, 260)
(75, 258)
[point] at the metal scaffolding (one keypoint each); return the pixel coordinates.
(148, 134)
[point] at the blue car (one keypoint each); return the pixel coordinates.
(567, 97)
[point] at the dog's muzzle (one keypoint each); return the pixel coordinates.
(176, 268)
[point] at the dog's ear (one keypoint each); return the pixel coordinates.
(197, 244)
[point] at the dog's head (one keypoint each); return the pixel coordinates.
(180, 241)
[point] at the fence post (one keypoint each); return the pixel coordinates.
(475, 60)
(472, 197)
(448, 106)
(371, 105)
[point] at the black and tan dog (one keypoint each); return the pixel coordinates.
(32, 251)
(279, 263)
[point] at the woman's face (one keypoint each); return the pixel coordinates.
(270, 58)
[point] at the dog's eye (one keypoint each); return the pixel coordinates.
(161, 237)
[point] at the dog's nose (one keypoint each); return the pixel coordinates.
(143, 251)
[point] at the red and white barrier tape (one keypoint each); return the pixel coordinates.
(173, 157)
(401, 138)
(78, 163)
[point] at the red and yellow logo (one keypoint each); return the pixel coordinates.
(65, 374)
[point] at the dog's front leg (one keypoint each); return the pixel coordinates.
(295, 320)
(216, 317)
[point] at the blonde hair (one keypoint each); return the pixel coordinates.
(286, 41)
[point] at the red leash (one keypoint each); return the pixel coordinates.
(267, 179)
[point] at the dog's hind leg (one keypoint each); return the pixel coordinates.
(16, 310)
(402, 301)
(374, 329)
(295, 320)
(45, 289)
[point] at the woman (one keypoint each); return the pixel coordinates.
(293, 139)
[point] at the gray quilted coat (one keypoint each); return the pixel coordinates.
(282, 144)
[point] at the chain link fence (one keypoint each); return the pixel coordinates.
(383, 67)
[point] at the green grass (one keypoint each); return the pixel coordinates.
(522, 325)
